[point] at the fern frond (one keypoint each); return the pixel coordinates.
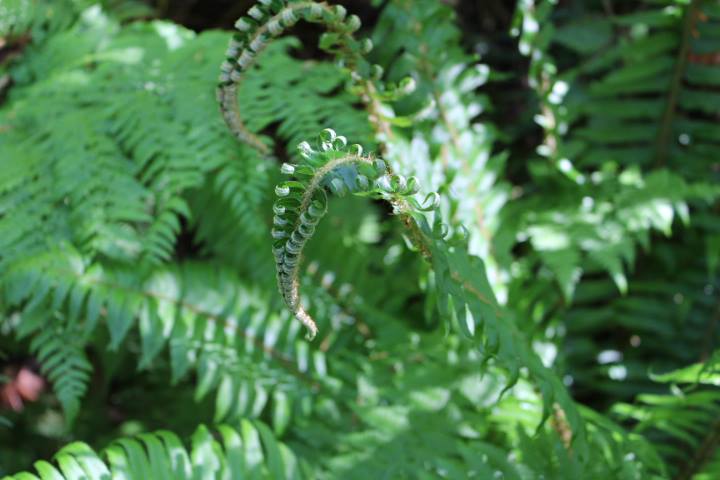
(247, 451)
(657, 76)
(63, 361)
(270, 18)
(206, 321)
(606, 116)
(303, 202)
(463, 291)
(682, 421)
(37, 19)
(671, 298)
(448, 148)
(119, 161)
(275, 91)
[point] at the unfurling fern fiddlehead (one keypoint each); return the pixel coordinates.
(302, 204)
(271, 18)
(336, 168)
(463, 293)
(332, 167)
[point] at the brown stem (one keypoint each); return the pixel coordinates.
(560, 425)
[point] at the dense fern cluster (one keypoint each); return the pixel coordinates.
(481, 300)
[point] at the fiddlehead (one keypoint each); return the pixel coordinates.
(332, 167)
(271, 18)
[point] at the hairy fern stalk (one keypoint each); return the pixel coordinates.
(384, 257)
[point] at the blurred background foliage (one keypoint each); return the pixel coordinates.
(578, 143)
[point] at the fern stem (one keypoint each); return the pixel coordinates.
(562, 427)
(424, 245)
(665, 130)
(383, 131)
(227, 94)
(231, 114)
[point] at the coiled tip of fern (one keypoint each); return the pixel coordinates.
(332, 166)
(308, 322)
(269, 19)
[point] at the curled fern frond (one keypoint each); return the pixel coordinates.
(302, 201)
(463, 291)
(271, 18)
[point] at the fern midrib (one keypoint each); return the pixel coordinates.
(663, 138)
(423, 244)
(320, 175)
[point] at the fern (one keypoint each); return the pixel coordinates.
(231, 339)
(303, 202)
(460, 279)
(111, 211)
(682, 423)
(268, 19)
(448, 149)
(600, 165)
(250, 450)
(639, 326)
(65, 364)
(468, 333)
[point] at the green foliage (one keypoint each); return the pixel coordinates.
(525, 293)
(696, 430)
(250, 451)
(619, 117)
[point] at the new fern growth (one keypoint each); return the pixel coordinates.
(330, 168)
(271, 18)
(463, 291)
(304, 201)
(462, 287)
